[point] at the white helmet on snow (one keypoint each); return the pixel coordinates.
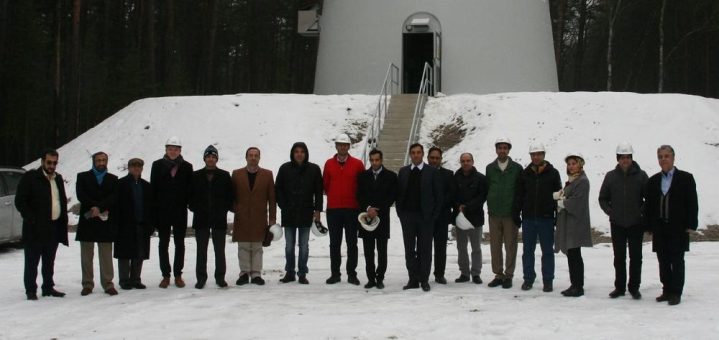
(368, 223)
(462, 222)
(624, 148)
(318, 229)
(276, 231)
(536, 147)
(174, 141)
(503, 140)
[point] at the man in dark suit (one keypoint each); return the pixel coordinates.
(419, 200)
(41, 201)
(671, 214)
(96, 189)
(441, 225)
(376, 192)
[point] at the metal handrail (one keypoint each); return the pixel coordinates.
(390, 86)
(426, 89)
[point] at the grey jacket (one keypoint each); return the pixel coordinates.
(573, 226)
(622, 197)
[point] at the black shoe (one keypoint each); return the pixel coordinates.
(616, 293)
(333, 279)
(496, 282)
(547, 286)
(243, 280)
(303, 280)
(462, 278)
(440, 279)
(411, 284)
(476, 279)
(221, 283)
(663, 298)
(370, 284)
(31, 296)
(126, 286)
(353, 280)
(200, 285)
(507, 283)
(380, 284)
(425, 286)
(288, 278)
(258, 281)
(573, 292)
(527, 285)
(139, 285)
(636, 295)
(52, 292)
(674, 300)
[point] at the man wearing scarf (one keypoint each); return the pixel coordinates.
(171, 178)
(96, 191)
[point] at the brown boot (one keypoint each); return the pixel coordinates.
(179, 283)
(111, 291)
(86, 291)
(165, 282)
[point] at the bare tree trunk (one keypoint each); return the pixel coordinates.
(559, 36)
(660, 87)
(613, 14)
(58, 107)
(579, 55)
(151, 44)
(76, 67)
(212, 37)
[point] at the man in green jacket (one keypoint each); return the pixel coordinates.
(502, 176)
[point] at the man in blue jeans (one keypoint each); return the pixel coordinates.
(533, 199)
(298, 191)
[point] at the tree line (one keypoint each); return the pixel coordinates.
(66, 65)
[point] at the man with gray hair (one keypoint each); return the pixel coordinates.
(671, 214)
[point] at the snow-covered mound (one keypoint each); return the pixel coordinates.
(593, 124)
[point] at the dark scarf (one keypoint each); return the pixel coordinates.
(174, 165)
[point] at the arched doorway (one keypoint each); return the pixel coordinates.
(421, 42)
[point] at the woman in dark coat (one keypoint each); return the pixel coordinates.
(136, 221)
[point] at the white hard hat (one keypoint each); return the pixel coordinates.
(536, 147)
(462, 222)
(342, 138)
(367, 223)
(624, 148)
(504, 140)
(574, 154)
(173, 141)
(318, 229)
(276, 231)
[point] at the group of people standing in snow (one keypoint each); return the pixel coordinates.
(428, 198)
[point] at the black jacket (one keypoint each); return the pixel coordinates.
(133, 232)
(533, 196)
(472, 193)
(449, 187)
(298, 190)
(211, 200)
(622, 195)
(683, 211)
(90, 194)
(171, 194)
(33, 201)
(379, 193)
(431, 192)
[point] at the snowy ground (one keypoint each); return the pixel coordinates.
(344, 311)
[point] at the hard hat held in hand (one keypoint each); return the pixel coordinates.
(462, 222)
(276, 231)
(368, 223)
(318, 229)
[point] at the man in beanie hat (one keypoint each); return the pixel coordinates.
(171, 178)
(210, 201)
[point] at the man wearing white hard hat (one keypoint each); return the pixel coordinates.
(171, 179)
(534, 201)
(502, 176)
(471, 195)
(622, 199)
(339, 179)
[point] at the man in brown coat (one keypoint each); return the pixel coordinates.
(254, 196)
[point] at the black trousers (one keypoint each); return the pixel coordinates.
(417, 234)
(441, 228)
(368, 243)
(34, 253)
(621, 237)
(671, 268)
(576, 267)
(129, 271)
(178, 233)
(202, 235)
(339, 221)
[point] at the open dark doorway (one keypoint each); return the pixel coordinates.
(417, 49)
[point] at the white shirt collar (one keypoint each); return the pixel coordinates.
(420, 166)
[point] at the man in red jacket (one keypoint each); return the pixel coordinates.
(340, 183)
